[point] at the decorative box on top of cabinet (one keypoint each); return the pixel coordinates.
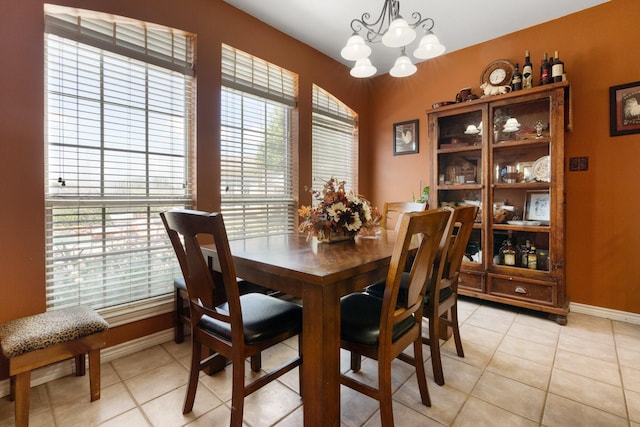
(513, 170)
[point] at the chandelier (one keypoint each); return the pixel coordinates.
(394, 32)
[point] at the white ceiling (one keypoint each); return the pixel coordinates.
(326, 24)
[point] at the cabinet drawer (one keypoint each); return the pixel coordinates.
(472, 281)
(516, 288)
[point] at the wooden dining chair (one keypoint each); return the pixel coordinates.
(441, 301)
(382, 329)
(395, 210)
(241, 327)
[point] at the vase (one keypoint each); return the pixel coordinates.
(335, 236)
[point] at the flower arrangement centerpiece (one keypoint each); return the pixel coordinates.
(338, 214)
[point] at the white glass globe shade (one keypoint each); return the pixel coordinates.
(403, 67)
(399, 34)
(363, 69)
(355, 49)
(429, 47)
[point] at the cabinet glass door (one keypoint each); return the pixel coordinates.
(520, 190)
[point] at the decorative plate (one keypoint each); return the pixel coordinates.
(542, 169)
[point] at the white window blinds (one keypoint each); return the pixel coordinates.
(334, 133)
(119, 129)
(257, 125)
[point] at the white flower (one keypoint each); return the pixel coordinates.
(367, 212)
(355, 222)
(336, 210)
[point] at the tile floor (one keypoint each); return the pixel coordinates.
(519, 369)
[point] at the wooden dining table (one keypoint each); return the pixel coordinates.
(320, 274)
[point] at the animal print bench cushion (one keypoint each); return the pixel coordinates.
(44, 330)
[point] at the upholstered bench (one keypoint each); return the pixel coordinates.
(35, 341)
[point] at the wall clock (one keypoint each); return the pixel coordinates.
(498, 73)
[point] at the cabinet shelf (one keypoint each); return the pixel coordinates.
(503, 167)
(520, 143)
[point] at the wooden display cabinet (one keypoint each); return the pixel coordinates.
(506, 154)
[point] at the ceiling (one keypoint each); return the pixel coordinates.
(325, 24)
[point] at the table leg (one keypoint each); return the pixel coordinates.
(321, 356)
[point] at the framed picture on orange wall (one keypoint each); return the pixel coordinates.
(405, 137)
(624, 107)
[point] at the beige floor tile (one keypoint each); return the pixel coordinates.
(535, 332)
(157, 382)
(166, 410)
(132, 418)
(69, 389)
(626, 328)
(511, 395)
(590, 392)
(108, 375)
(589, 367)
(446, 401)
(630, 378)
(114, 400)
(629, 357)
(528, 350)
(39, 408)
(480, 335)
(488, 320)
(405, 417)
(597, 350)
(457, 373)
(478, 413)
(629, 342)
(633, 405)
(295, 419)
(562, 412)
(520, 369)
(142, 361)
(270, 404)
(355, 408)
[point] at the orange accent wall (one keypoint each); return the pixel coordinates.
(599, 49)
(597, 46)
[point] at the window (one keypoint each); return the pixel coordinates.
(257, 126)
(119, 130)
(334, 134)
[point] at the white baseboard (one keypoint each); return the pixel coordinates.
(607, 313)
(67, 367)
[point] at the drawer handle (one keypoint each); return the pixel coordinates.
(521, 290)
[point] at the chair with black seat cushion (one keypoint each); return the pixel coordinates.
(241, 327)
(181, 311)
(441, 299)
(441, 303)
(382, 329)
(395, 210)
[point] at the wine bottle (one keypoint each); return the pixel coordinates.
(516, 80)
(545, 71)
(527, 72)
(557, 69)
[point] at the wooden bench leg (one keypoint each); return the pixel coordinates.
(80, 365)
(22, 386)
(94, 374)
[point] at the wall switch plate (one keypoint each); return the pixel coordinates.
(579, 163)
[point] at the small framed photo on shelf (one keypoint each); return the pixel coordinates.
(405, 137)
(538, 206)
(624, 106)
